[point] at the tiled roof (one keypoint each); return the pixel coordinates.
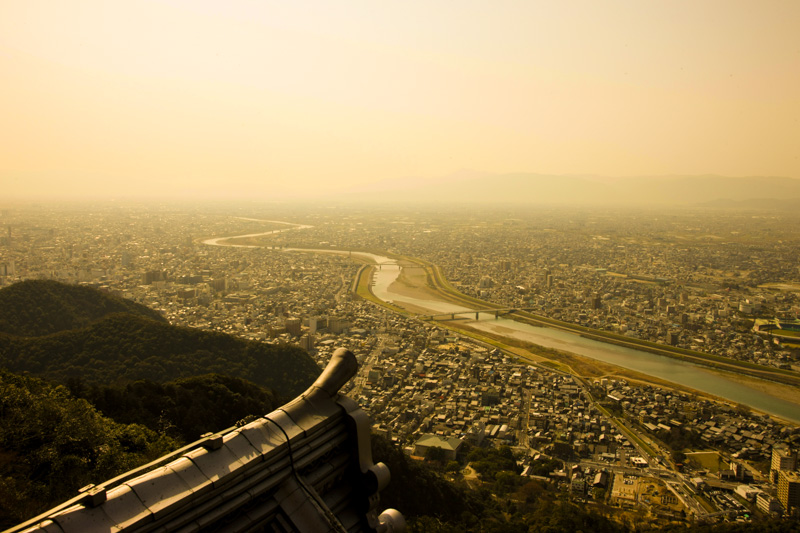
(306, 466)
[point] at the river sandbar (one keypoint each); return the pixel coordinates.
(413, 283)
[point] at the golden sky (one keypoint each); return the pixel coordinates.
(265, 99)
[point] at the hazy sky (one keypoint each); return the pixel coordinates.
(266, 98)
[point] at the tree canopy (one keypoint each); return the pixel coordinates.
(185, 408)
(51, 444)
(34, 308)
(122, 348)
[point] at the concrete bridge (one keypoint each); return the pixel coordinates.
(306, 466)
(496, 312)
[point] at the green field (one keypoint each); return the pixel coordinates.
(711, 461)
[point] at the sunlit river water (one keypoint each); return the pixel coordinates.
(673, 370)
(676, 371)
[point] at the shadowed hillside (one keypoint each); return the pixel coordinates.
(51, 444)
(124, 347)
(185, 408)
(41, 307)
(149, 386)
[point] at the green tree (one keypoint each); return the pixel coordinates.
(57, 444)
(434, 455)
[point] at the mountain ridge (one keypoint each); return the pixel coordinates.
(34, 308)
(123, 347)
(534, 188)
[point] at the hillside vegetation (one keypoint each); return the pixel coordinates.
(41, 307)
(183, 409)
(122, 347)
(432, 504)
(136, 388)
(52, 444)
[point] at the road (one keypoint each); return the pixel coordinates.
(369, 361)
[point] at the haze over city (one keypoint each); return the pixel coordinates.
(357, 266)
(267, 100)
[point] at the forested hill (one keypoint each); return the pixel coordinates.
(183, 409)
(51, 444)
(101, 345)
(53, 441)
(161, 385)
(41, 307)
(123, 348)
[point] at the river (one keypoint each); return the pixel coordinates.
(673, 370)
(219, 241)
(666, 368)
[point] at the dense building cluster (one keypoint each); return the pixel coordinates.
(682, 280)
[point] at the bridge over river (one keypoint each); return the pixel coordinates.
(684, 373)
(496, 312)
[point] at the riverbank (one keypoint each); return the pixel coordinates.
(424, 283)
(413, 282)
(252, 240)
(591, 369)
(442, 287)
(780, 390)
(584, 367)
(413, 286)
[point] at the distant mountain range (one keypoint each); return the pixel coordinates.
(519, 188)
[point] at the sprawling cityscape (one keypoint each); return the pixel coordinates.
(497, 267)
(628, 439)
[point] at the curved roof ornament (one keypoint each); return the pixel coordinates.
(307, 466)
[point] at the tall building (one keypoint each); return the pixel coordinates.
(789, 490)
(737, 469)
(782, 459)
(336, 325)
(293, 326)
(307, 342)
(152, 276)
(673, 338)
(767, 503)
(218, 284)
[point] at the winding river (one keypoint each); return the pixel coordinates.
(676, 371)
(220, 241)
